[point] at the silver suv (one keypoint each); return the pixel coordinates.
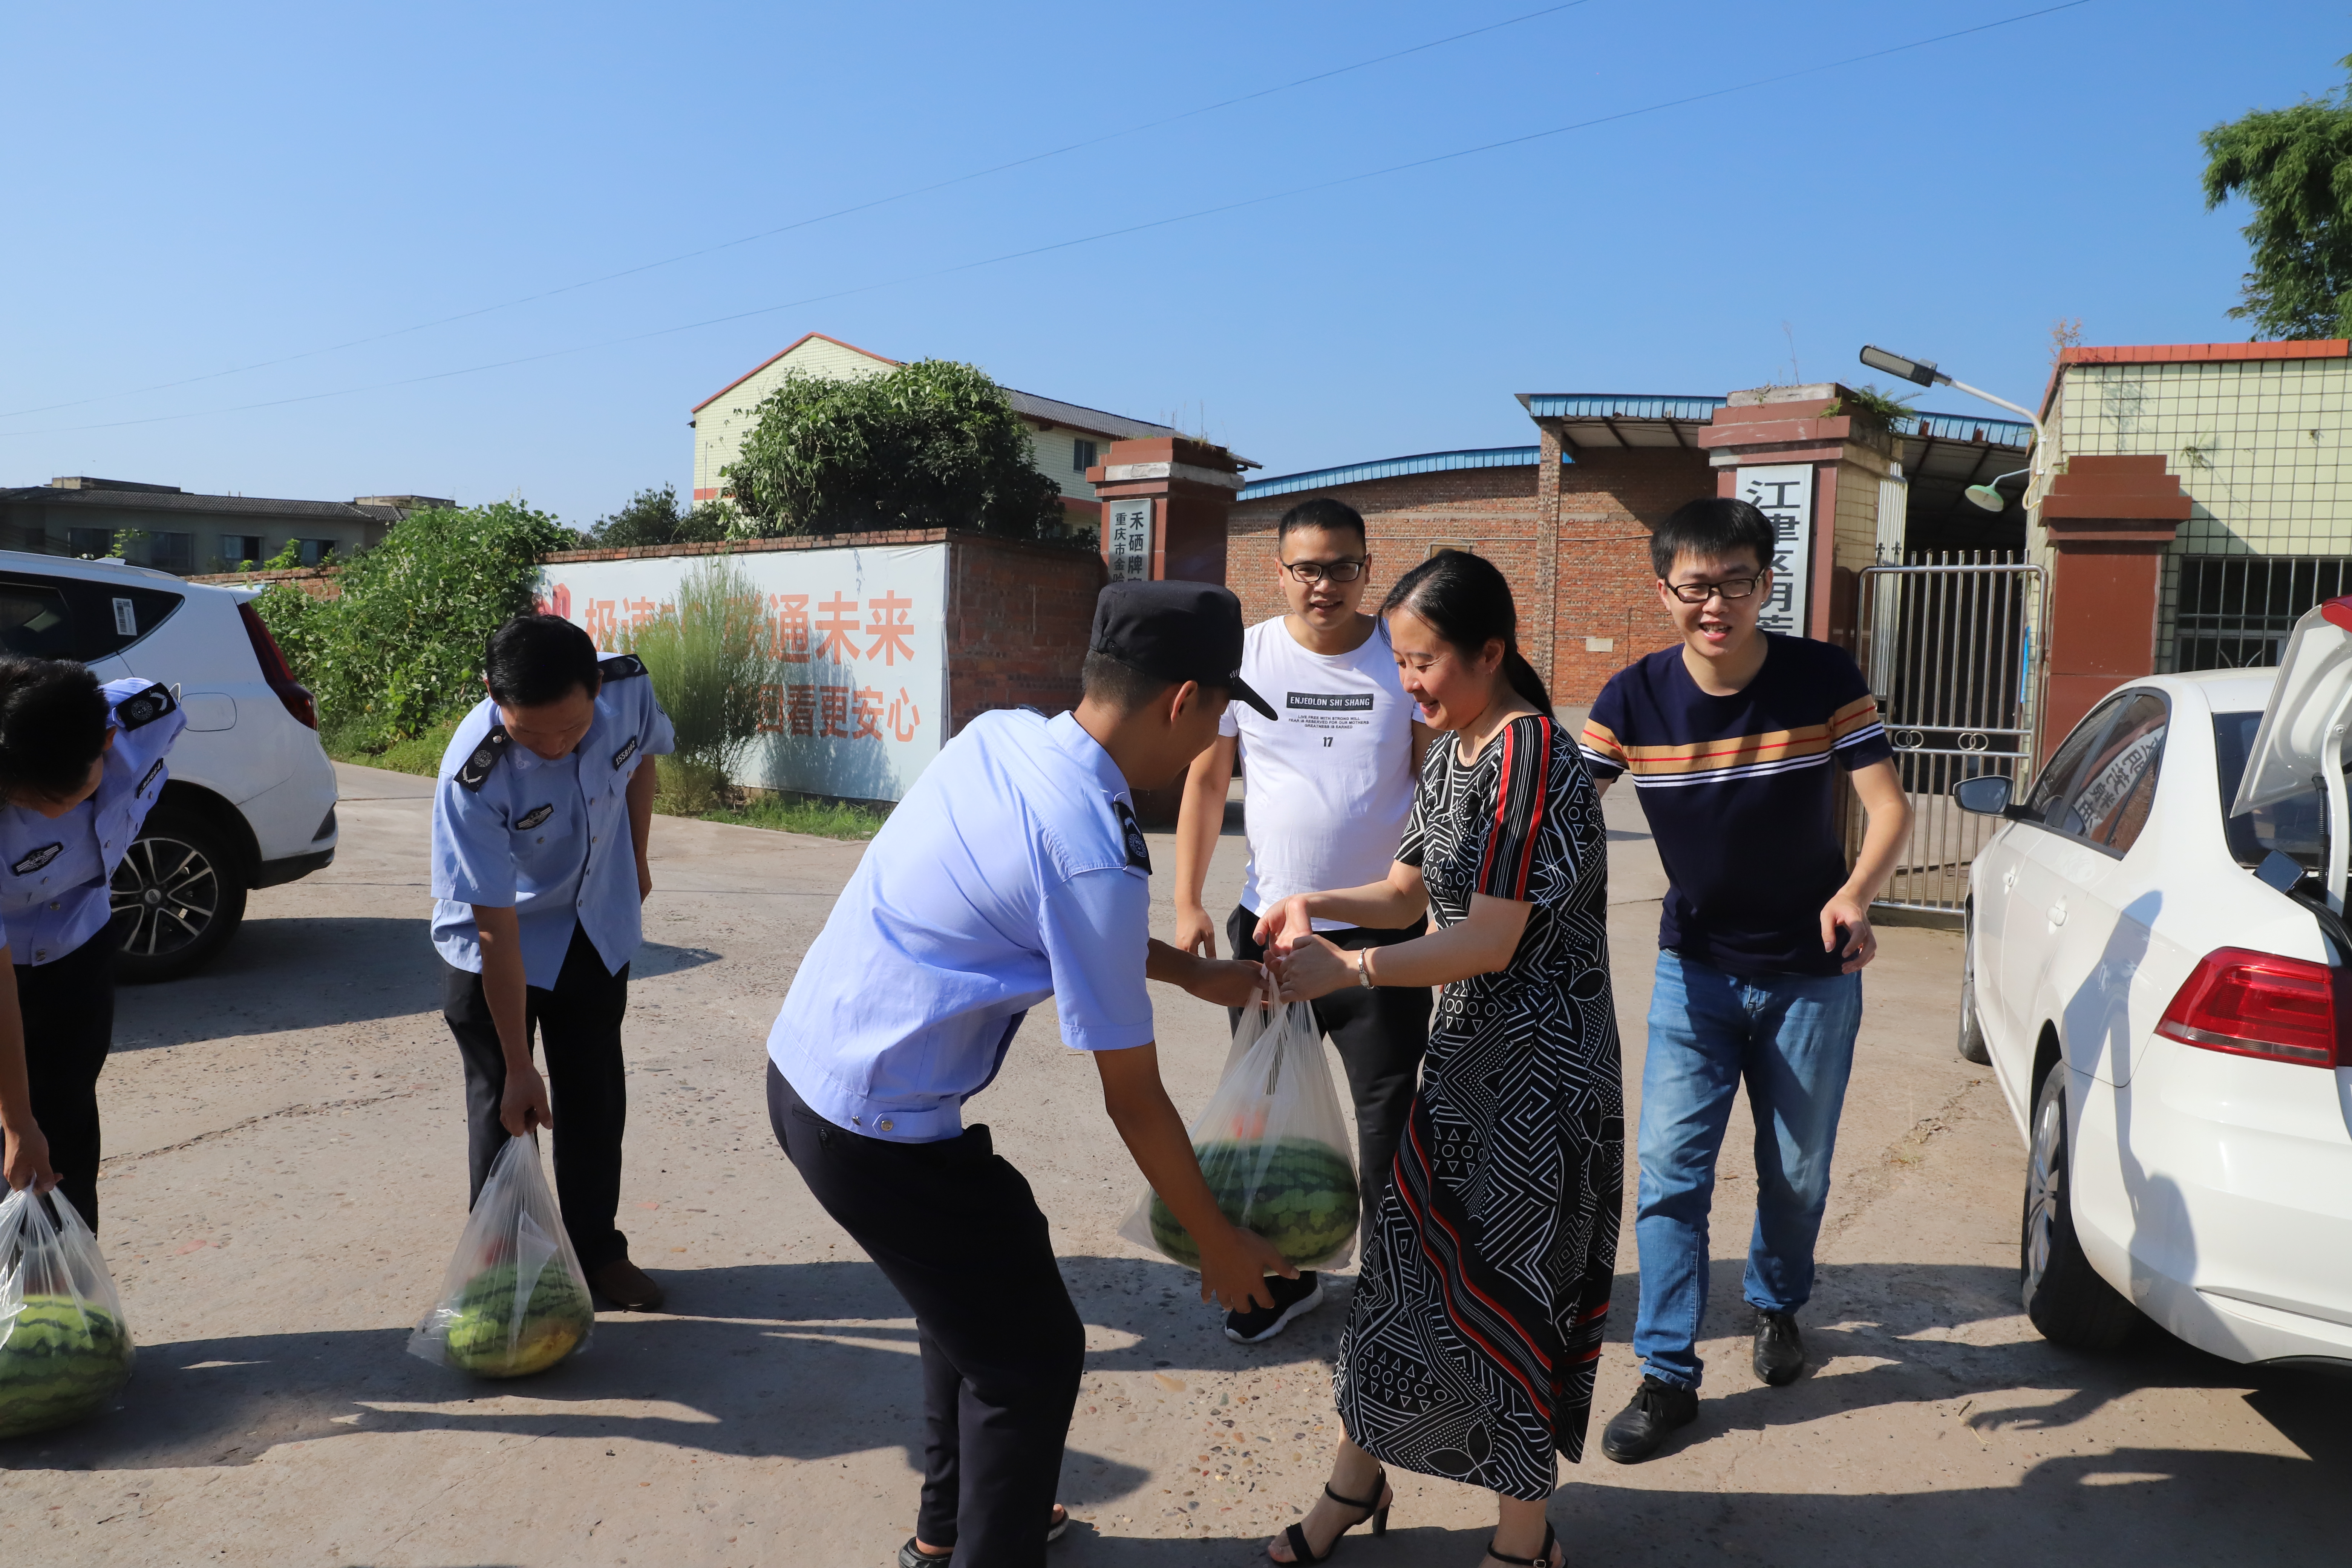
(251, 798)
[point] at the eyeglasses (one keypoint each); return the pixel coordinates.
(1730, 588)
(1316, 571)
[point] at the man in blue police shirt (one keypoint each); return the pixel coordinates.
(80, 766)
(1013, 871)
(539, 864)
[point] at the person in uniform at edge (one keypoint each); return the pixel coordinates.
(1330, 786)
(1013, 871)
(80, 766)
(539, 864)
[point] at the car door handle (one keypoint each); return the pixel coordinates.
(2009, 879)
(2058, 913)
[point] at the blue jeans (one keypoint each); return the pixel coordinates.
(1791, 1037)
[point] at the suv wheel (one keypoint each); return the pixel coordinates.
(1972, 1041)
(179, 894)
(2069, 1303)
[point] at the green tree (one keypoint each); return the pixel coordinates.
(652, 517)
(2294, 166)
(400, 646)
(930, 445)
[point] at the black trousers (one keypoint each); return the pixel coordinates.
(1380, 1035)
(954, 1228)
(69, 1011)
(578, 1025)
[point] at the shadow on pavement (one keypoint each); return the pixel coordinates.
(812, 1360)
(315, 971)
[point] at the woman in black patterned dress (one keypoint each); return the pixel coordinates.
(1476, 1320)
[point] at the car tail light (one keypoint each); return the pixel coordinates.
(2258, 1005)
(273, 668)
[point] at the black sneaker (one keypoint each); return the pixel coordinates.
(1640, 1429)
(1292, 1299)
(1779, 1348)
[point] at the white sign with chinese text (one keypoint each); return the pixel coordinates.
(1783, 492)
(1129, 542)
(862, 707)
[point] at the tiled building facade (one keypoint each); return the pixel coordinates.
(2258, 435)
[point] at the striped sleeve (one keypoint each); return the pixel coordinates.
(1604, 753)
(1522, 799)
(1857, 738)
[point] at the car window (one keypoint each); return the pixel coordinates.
(2110, 803)
(2053, 786)
(2295, 827)
(72, 618)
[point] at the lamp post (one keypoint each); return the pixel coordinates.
(1925, 373)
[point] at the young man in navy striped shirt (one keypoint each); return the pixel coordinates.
(1731, 739)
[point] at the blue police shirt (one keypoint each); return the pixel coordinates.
(1013, 871)
(53, 891)
(550, 840)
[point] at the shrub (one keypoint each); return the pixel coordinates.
(930, 445)
(401, 648)
(708, 658)
(652, 517)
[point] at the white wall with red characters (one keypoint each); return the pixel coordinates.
(863, 706)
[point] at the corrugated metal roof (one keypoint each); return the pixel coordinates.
(1615, 405)
(1970, 428)
(1080, 417)
(1392, 467)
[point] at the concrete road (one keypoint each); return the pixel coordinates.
(287, 1179)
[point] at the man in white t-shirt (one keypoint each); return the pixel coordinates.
(1330, 785)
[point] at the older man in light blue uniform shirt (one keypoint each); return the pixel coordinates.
(555, 846)
(57, 862)
(1014, 870)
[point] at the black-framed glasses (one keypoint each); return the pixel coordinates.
(1316, 571)
(1730, 588)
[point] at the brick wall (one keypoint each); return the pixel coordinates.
(1608, 504)
(1018, 621)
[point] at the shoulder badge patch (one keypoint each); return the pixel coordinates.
(621, 666)
(534, 816)
(1139, 851)
(476, 769)
(150, 778)
(143, 707)
(625, 753)
(38, 858)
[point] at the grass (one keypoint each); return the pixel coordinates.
(777, 813)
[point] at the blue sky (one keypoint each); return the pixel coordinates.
(197, 189)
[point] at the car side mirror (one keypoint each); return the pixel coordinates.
(1987, 794)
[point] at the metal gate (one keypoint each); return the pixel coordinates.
(1950, 645)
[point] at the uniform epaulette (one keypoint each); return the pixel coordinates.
(620, 666)
(476, 768)
(144, 707)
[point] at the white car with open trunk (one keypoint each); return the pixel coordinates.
(2156, 975)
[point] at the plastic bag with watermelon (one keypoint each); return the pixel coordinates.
(64, 1352)
(1273, 1147)
(514, 1300)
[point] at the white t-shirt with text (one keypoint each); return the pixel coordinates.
(1328, 784)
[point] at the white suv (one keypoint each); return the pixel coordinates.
(251, 798)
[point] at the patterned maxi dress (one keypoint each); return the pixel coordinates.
(1477, 1321)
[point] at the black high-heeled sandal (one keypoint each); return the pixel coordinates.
(1377, 1510)
(1542, 1559)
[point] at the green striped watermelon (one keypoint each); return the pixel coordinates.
(63, 1359)
(555, 1320)
(1306, 1204)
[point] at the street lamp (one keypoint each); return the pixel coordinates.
(1925, 372)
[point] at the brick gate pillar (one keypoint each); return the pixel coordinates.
(1817, 475)
(1164, 506)
(2109, 522)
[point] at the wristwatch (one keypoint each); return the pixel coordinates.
(1363, 975)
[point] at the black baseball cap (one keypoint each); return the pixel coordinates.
(1176, 631)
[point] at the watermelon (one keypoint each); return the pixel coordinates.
(63, 1359)
(1306, 1203)
(555, 1319)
